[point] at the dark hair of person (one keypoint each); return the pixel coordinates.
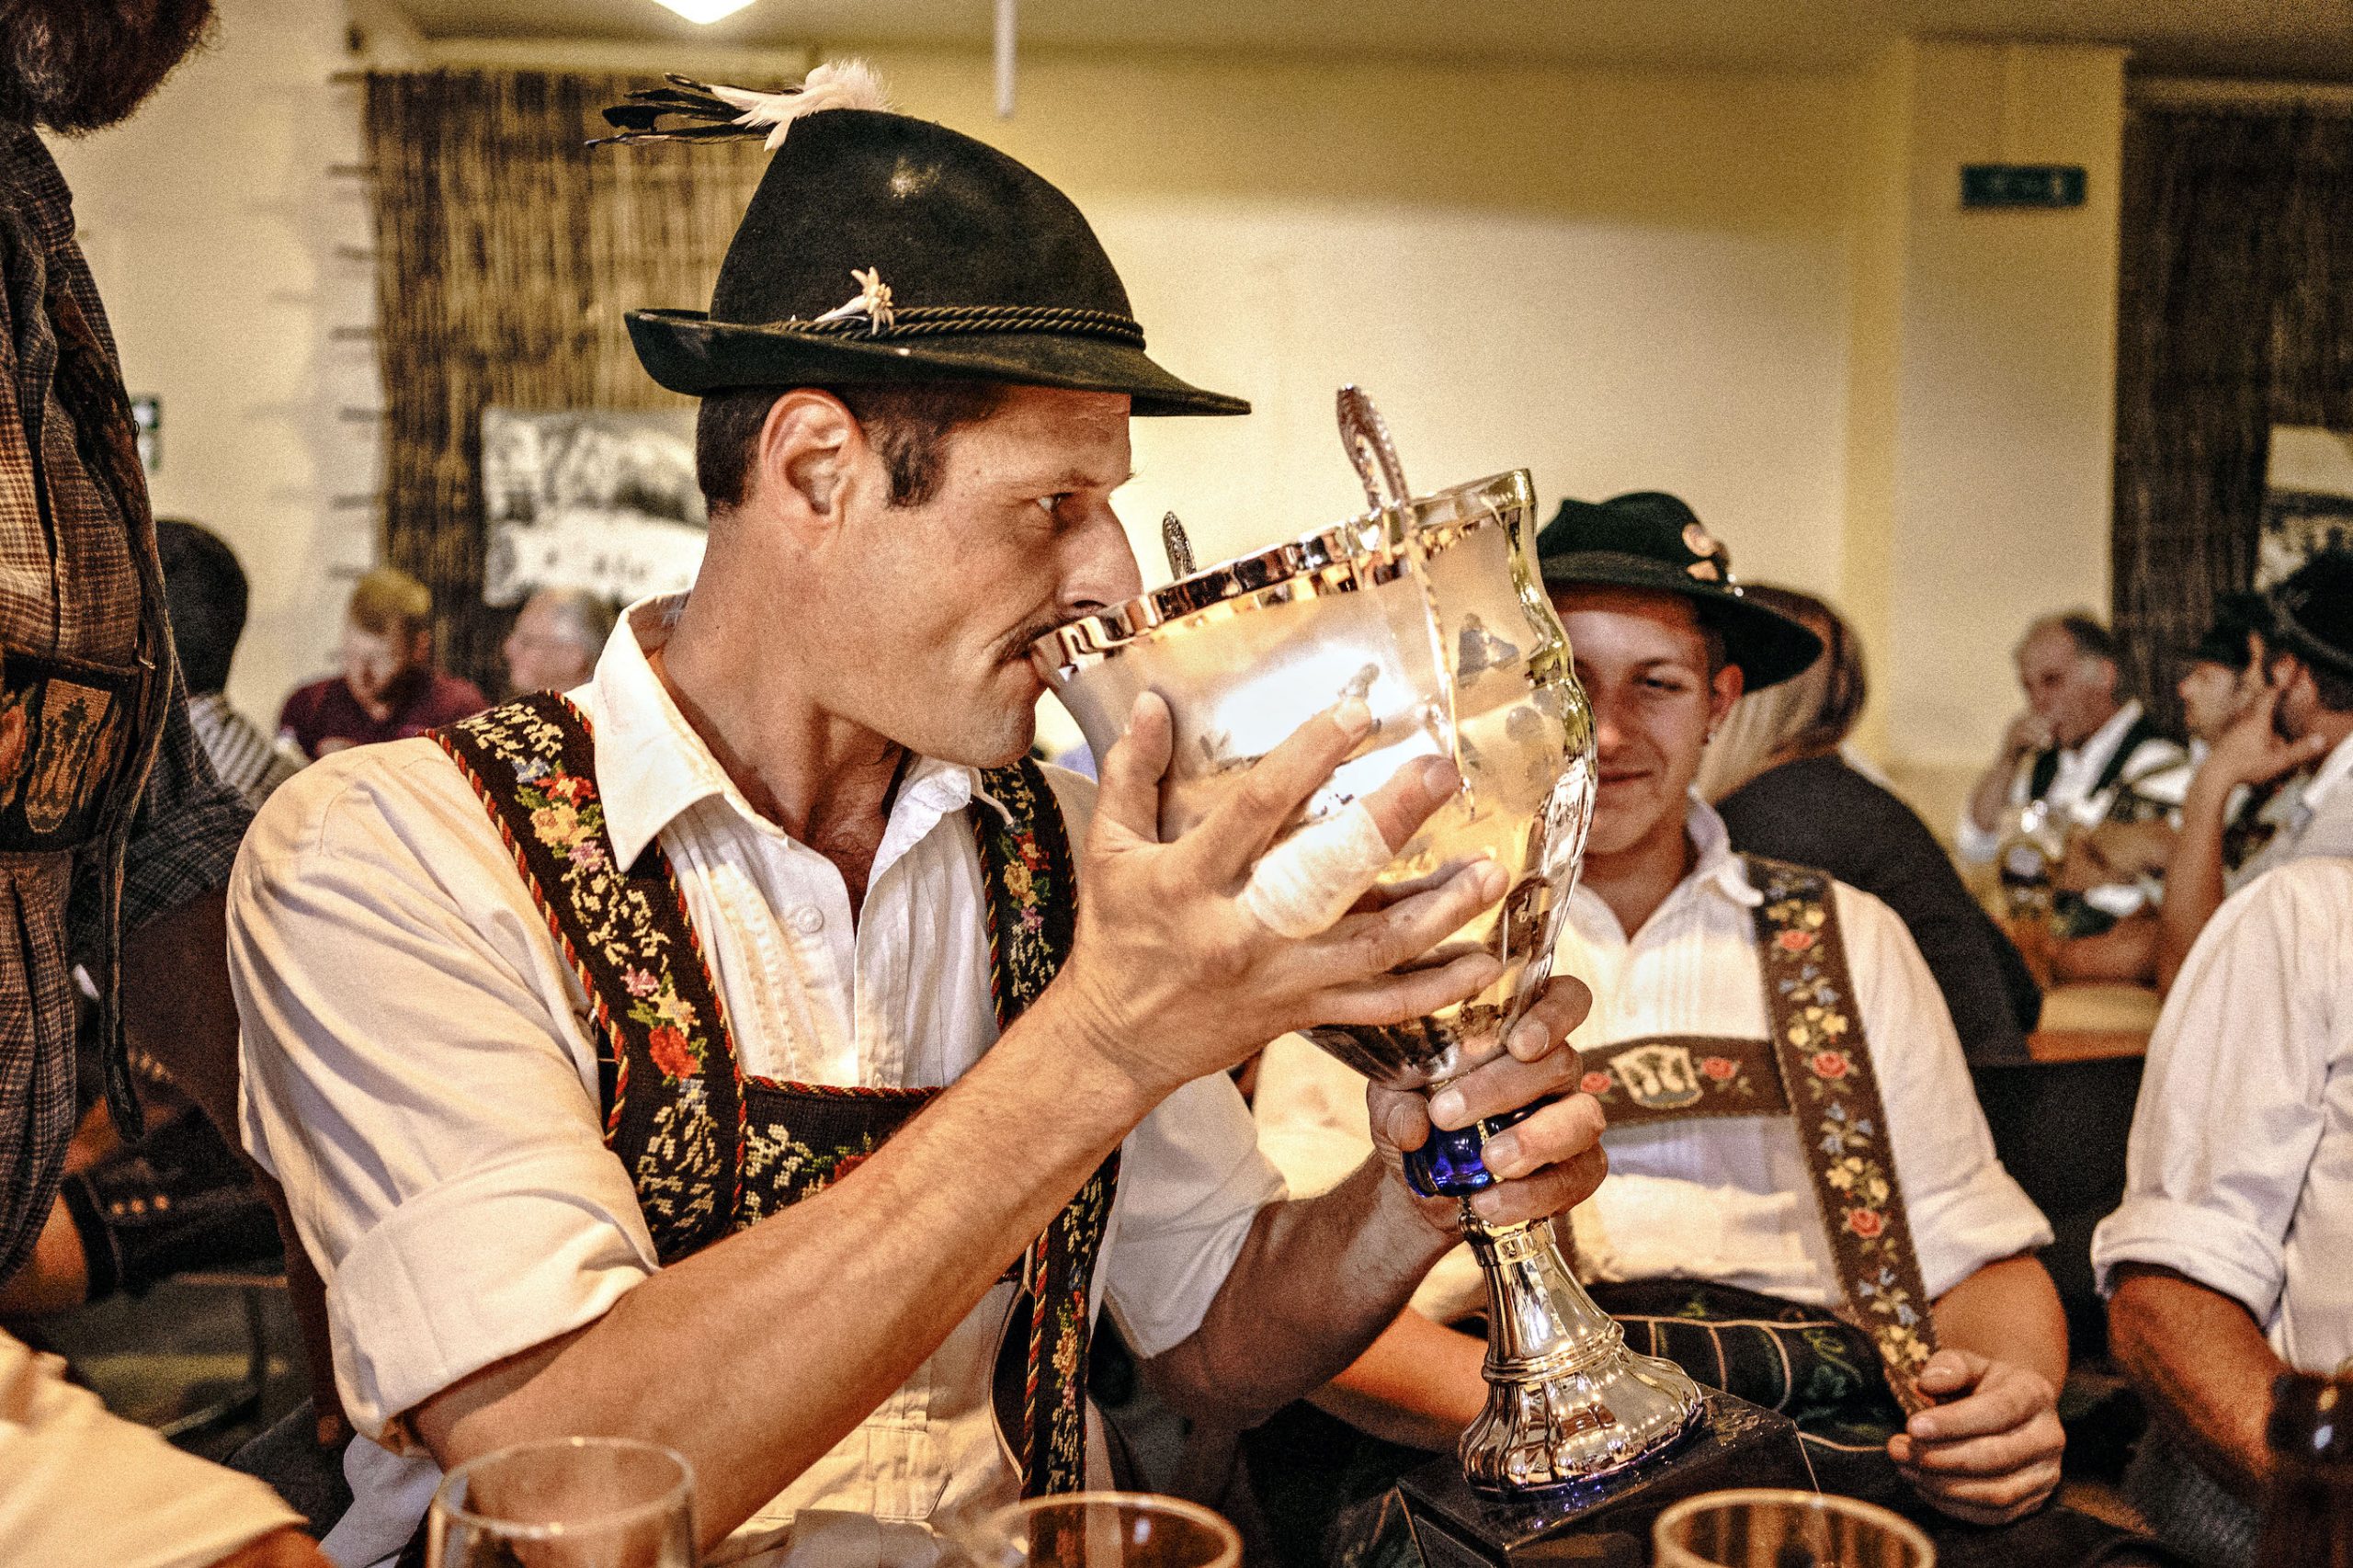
(204, 595)
(908, 426)
(78, 65)
(2092, 640)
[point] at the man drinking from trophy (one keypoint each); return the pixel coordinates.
(1805, 1207)
(761, 1057)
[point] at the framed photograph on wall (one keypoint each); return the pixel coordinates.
(2307, 499)
(589, 499)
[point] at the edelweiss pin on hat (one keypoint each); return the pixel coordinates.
(880, 247)
(1650, 540)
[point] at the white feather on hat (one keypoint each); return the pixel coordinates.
(837, 84)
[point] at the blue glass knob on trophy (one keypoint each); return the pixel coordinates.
(1448, 1165)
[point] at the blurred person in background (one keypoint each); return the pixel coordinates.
(205, 595)
(556, 639)
(2079, 804)
(1776, 775)
(115, 837)
(2297, 716)
(388, 689)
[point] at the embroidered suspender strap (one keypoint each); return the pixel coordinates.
(1825, 1068)
(1677, 1077)
(675, 1106)
(1032, 906)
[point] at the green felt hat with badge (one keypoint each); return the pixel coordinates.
(880, 247)
(1649, 539)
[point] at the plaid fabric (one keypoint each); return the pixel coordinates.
(78, 581)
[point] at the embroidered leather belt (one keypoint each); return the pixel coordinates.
(64, 725)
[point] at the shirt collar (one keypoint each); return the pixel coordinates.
(2101, 743)
(651, 766)
(1714, 868)
(1715, 864)
(2334, 770)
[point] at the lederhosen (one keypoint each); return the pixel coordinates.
(711, 1150)
(1846, 1375)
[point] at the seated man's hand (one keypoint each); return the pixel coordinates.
(1546, 1164)
(1989, 1453)
(1175, 975)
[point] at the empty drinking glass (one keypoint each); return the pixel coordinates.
(1756, 1528)
(565, 1503)
(1103, 1529)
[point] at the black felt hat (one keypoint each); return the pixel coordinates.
(2312, 611)
(2224, 642)
(879, 247)
(1650, 540)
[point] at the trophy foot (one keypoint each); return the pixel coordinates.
(1567, 1401)
(1543, 1430)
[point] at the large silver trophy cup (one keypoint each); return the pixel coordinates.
(1429, 608)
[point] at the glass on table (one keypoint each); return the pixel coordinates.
(1758, 1528)
(565, 1503)
(1102, 1529)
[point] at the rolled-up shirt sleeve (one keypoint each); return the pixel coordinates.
(2233, 1100)
(1964, 1209)
(417, 1076)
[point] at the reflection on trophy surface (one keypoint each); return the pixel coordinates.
(1430, 610)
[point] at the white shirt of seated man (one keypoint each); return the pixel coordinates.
(2240, 1174)
(1727, 1199)
(419, 1073)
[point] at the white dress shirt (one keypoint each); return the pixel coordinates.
(420, 1074)
(2157, 769)
(2240, 1173)
(1725, 1200)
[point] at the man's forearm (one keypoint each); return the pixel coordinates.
(2200, 1361)
(871, 1275)
(2194, 877)
(1316, 1282)
(1420, 1384)
(1991, 793)
(2007, 1311)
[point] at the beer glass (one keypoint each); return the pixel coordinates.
(565, 1503)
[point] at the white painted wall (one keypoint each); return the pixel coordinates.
(212, 225)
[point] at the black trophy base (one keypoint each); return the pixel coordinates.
(1604, 1523)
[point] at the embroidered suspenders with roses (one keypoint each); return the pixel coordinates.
(709, 1149)
(1817, 1069)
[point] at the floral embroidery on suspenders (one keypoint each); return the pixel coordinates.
(1826, 1069)
(709, 1150)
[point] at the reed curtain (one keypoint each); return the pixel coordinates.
(2235, 313)
(506, 252)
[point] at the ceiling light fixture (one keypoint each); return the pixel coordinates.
(705, 10)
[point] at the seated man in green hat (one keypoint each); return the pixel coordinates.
(729, 1060)
(1804, 1204)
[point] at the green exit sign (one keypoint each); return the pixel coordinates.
(2022, 185)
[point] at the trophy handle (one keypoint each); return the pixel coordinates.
(1370, 451)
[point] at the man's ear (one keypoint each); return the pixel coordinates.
(808, 452)
(1723, 689)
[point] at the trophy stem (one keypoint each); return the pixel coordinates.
(1567, 1402)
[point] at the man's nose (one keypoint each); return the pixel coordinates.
(1100, 567)
(1608, 733)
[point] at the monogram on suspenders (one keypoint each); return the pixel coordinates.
(1816, 1069)
(711, 1150)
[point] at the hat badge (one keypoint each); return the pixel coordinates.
(872, 301)
(1702, 543)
